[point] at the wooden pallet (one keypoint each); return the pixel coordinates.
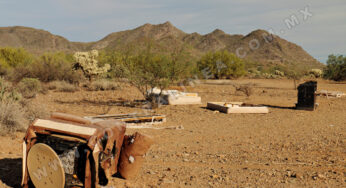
(130, 118)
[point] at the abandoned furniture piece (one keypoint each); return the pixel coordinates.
(130, 118)
(175, 97)
(70, 151)
(307, 96)
(236, 107)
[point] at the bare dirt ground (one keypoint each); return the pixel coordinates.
(285, 148)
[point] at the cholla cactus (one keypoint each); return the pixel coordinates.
(279, 73)
(316, 72)
(87, 61)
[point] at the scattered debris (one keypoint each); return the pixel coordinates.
(180, 127)
(130, 118)
(71, 151)
(236, 107)
(328, 94)
(307, 96)
(175, 97)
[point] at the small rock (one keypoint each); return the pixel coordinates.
(186, 160)
(151, 172)
(321, 176)
(165, 180)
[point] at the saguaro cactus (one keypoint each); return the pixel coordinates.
(87, 61)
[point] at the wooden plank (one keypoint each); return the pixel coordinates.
(183, 100)
(64, 127)
(130, 118)
(248, 110)
(236, 108)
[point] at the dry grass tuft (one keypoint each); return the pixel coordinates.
(247, 90)
(16, 113)
(102, 85)
(62, 86)
(29, 87)
(12, 117)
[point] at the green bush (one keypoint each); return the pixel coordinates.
(221, 64)
(13, 57)
(29, 87)
(55, 66)
(336, 68)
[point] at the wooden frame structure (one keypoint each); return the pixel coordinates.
(129, 118)
(236, 108)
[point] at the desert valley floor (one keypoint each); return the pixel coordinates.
(285, 148)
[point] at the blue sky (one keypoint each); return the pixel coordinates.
(321, 32)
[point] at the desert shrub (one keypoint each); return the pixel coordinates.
(14, 62)
(62, 86)
(88, 63)
(279, 73)
(29, 87)
(336, 68)
(13, 57)
(16, 112)
(102, 85)
(33, 110)
(7, 93)
(269, 76)
(55, 66)
(12, 117)
(317, 73)
(295, 76)
(146, 70)
(247, 90)
(221, 64)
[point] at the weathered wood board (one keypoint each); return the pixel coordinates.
(236, 108)
(130, 118)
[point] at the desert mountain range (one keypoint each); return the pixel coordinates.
(254, 46)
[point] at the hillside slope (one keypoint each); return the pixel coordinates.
(258, 46)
